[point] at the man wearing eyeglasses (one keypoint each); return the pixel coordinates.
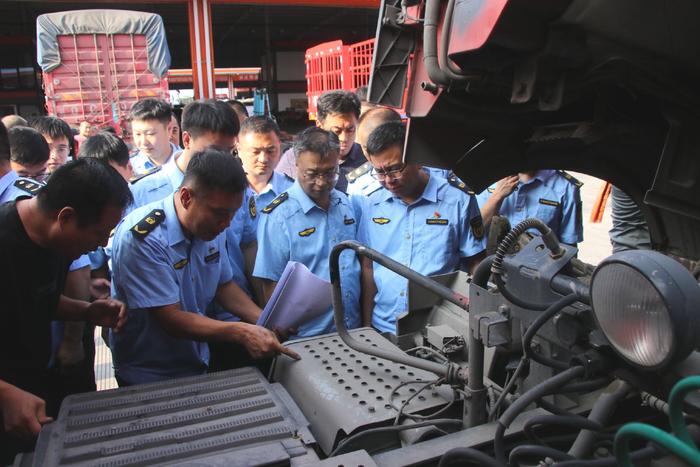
(426, 222)
(29, 153)
(58, 136)
(305, 222)
(338, 112)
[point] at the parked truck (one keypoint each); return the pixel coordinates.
(97, 63)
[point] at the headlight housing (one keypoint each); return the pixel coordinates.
(648, 307)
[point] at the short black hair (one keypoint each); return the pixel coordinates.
(4, 144)
(317, 141)
(385, 136)
(88, 186)
(261, 125)
(151, 109)
(337, 102)
(238, 107)
(209, 115)
(106, 147)
(53, 127)
(215, 170)
(27, 146)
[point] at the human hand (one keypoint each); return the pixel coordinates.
(261, 343)
(506, 186)
(100, 288)
(109, 312)
(23, 413)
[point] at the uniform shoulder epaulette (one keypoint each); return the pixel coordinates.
(276, 202)
(29, 186)
(459, 184)
(142, 176)
(571, 178)
(146, 225)
(358, 172)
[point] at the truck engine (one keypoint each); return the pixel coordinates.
(535, 359)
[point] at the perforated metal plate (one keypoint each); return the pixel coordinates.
(228, 418)
(340, 390)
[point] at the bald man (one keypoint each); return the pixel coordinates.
(11, 121)
(360, 180)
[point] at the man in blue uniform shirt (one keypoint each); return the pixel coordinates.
(150, 129)
(11, 185)
(421, 220)
(169, 264)
(549, 195)
(305, 222)
(259, 150)
(204, 123)
(337, 112)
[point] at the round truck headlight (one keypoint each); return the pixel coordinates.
(648, 307)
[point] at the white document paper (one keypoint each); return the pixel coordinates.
(299, 297)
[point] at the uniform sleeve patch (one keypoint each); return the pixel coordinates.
(432, 221)
(142, 176)
(358, 172)
(381, 220)
(307, 232)
(26, 185)
(252, 209)
(477, 225)
(571, 178)
(146, 225)
(549, 202)
(276, 202)
(212, 257)
(181, 264)
(459, 184)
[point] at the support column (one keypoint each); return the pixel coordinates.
(201, 49)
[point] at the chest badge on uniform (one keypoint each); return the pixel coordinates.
(548, 202)
(212, 257)
(252, 210)
(381, 220)
(146, 225)
(348, 220)
(477, 225)
(181, 264)
(433, 221)
(307, 232)
(275, 202)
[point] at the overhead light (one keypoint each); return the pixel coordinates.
(648, 307)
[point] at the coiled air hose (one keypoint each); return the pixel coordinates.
(681, 445)
(550, 241)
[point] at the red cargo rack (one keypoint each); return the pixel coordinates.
(333, 65)
(100, 77)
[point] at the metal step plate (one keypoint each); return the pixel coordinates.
(341, 390)
(229, 418)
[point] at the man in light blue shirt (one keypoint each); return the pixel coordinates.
(419, 219)
(305, 222)
(169, 264)
(259, 149)
(549, 195)
(150, 129)
(204, 123)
